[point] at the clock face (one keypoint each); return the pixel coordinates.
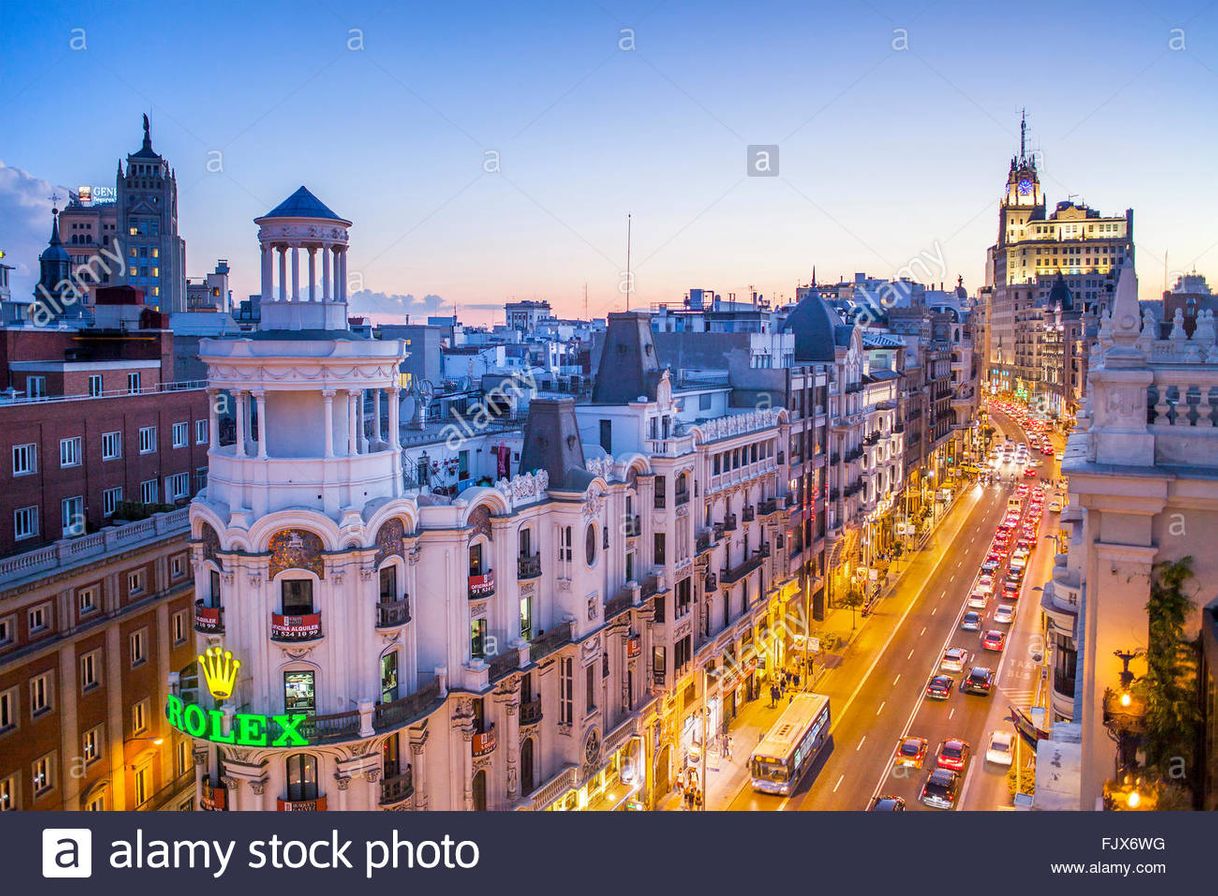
(1025, 187)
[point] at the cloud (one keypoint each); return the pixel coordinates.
(393, 305)
(25, 224)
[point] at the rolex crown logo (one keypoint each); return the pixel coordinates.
(219, 671)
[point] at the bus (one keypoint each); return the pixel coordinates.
(787, 750)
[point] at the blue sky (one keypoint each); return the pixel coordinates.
(885, 154)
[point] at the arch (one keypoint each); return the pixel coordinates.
(296, 548)
(480, 496)
(300, 778)
(528, 766)
(661, 777)
(477, 790)
(314, 521)
(403, 510)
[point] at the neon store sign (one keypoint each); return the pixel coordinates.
(219, 670)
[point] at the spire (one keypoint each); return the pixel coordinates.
(55, 240)
(147, 135)
(1125, 318)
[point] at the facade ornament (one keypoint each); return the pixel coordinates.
(258, 786)
(372, 775)
(524, 488)
(230, 782)
(594, 503)
(255, 579)
(343, 781)
(413, 554)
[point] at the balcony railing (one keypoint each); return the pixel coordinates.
(730, 524)
(530, 711)
(702, 542)
(619, 603)
(711, 582)
(748, 514)
(397, 788)
(504, 664)
(769, 505)
(738, 572)
(306, 627)
(682, 498)
(406, 710)
(208, 620)
(484, 742)
(550, 641)
(390, 614)
(482, 586)
(528, 567)
(313, 805)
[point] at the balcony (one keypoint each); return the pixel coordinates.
(702, 542)
(748, 513)
(768, 506)
(619, 603)
(313, 805)
(734, 574)
(483, 743)
(390, 614)
(546, 644)
(633, 528)
(482, 586)
(730, 524)
(527, 567)
(407, 710)
(306, 627)
(530, 711)
(397, 788)
(682, 498)
(208, 620)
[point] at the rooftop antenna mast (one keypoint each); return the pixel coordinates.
(1023, 134)
(628, 278)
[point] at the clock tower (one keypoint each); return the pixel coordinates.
(1023, 201)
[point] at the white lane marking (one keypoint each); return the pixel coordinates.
(861, 742)
(933, 610)
(921, 633)
(839, 782)
(895, 680)
(951, 714)
(910, 657)
(881, 709)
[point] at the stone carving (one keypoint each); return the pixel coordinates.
(735, 424)
(525, 488)
(343, 781)
(601, 466)
(258, 786)
(389, 540)
(296, 549)
(594, 503)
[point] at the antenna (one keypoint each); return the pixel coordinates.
(1023, 134)
(585, 301)
(628, 283)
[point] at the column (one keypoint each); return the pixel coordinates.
(283, 274)
(325, 273)
(267, 273)
(342, 275)
(312, 273)
(260, 398)
(239, 448)
(361, 419)
(352, 436)
(377, 394)
(295, 273)
(213, 418)
(395, 439)
(327, 397)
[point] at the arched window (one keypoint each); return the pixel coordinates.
(590, 544)
(528, 781)
(479, 791)
(302, 777)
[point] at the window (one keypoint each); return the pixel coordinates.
(564, 544)
(69, 452)
(43, 776)
(590, 687)
(149, 492)
(659, 548)
(138, 643)
(659, 664)
(141, 785)
(200, 432)
(607, 436)
(296, 596)
(38, 618)
(8, 709)
(133, 382)
(40, 694)
(704, 401)
(90, 670)
(180, 435)
(86, 600)
(389, 584)
(135, 583)
(302, 777)
(661, 494)
(36, 386)
(139, 719)
(91, 745)
(477, 638)
(182, 758)
(566, 691)
(111, 497)
(590, 544)
(177, 566)
(6, 631)
(177, 486)
(112, 445)
(95, 385)
(8, 794)
(25, 522)
(389, 677)
(25, 459)
(147, 439)
(200, 479)
(179, 627)
(97, 804)
(300, 691)
(72, 515)
(526, 617)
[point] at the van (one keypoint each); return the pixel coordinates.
(1014, 504)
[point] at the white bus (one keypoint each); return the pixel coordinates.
(787, 750)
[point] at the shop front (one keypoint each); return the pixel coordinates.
(617, 786)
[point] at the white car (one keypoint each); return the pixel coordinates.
(985, 585)
(1002, 744)
(1019, 559)
(1055, 506)
(954, 659)
(977, 601)
(1005, 614)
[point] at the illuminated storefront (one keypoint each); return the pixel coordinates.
(616, 786)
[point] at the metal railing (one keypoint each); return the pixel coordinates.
(551, 641)
(398, 787)
(393, 613)
(528, 566)
(177, 386)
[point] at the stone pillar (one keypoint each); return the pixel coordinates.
(312, 273)
(260, 399)
(395, 439)
(282, 294)
(295, 273)
(239, 447)
(511, 743)
(361, 417)
(418, 741)
(213, 420)
(325, 273)
(377, 394)
(267, 272)
(327, 397)
(352, 435)
(342, 275)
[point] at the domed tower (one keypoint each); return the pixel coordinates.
(301, 540)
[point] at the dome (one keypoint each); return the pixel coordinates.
(55, 250)
(815, 327)
(302, 204)
(1060, 293)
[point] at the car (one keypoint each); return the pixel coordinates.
(1004, 615)
(940, 687)
(954, 754)
(971, 621)
(990, 563)
(910, 752)
(994, 640)
(980, 680)
(953, 660)
(978, 601)
(985, 584)
(1029, 473)
(1047, 451)
(1021, 489)
(999, 750)
(1055, 506)
(940, 789)
(887, 804)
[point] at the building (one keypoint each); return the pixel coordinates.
(526, 316)
(1143, 487)
(89, 229)
(210, 292)
(147, 220)
(1033, 250)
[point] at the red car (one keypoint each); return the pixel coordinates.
(994, 640)
(953, 754)
(1010, 592)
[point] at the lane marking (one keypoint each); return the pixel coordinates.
(861, 742)
(881, 709)
(895, 680)
(932, 610)
(910, 657)
(921, 633)
(839, 782)
(951, 714)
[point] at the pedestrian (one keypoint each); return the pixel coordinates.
(774, 694)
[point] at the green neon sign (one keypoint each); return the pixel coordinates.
(248, 729)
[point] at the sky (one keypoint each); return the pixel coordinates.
(489, 152)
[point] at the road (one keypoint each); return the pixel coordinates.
(875, 705)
